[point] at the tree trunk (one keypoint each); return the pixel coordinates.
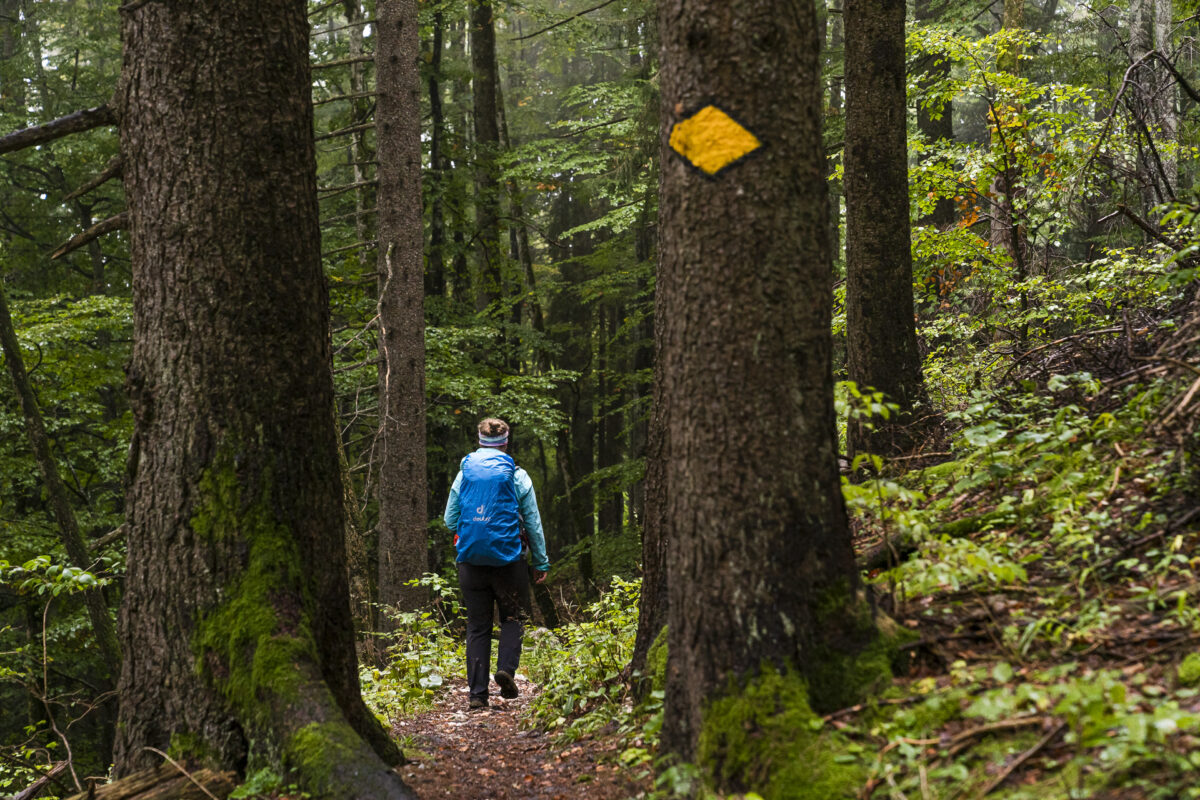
(435, 274)
(402, 512)
(1166, 97)
(358, 152)
(56, 493)
(236, 623)
(12, 87)
(609, 452)
(489, 288)
(936, 125)
(881, 335)
(762, 578)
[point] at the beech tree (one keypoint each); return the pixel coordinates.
(881, 331)
(765, 620)
(236, 618)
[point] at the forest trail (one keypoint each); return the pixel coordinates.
(485, 754)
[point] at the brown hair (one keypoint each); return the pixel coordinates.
(492, 427)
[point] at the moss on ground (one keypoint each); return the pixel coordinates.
(1189, 670)
(763, 736)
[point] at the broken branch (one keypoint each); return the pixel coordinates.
(76, 122)
(116, 223)
(110, 171)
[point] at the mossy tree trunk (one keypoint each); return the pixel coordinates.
(881, 334)
(236, 618)
(402, 512)
(762, 582)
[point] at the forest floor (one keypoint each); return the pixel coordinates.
(486, 754)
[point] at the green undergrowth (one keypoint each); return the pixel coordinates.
(1054, 593)
(580, 668)
(422, 650)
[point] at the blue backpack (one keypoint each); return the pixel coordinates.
(489, 524)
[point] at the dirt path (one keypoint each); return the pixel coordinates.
(486, 755)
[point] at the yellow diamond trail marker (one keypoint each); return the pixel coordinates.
(712, 140)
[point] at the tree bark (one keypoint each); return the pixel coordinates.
(881, 336)
(236, 620)
(489, 288)
(760, 566)
(402, 512)
(936, 127)
(435, 274)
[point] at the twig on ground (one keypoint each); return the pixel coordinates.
(962, 740)
(1021, 759)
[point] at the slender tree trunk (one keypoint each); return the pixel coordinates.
(12, 87)
(836, 87)
(937, 125)
(1166, 98)
(609, 453)
(761, 570)
(881, 336)
(56, 493)
(236, 621)
(402, 512)
(435, 273)
(484, 85)
(358, 152)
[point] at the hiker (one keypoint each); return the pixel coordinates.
(498, 499)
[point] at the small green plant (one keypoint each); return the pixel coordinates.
(421, 650)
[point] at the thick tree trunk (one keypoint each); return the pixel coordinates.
(56, 493)
(881, 336)
(402, 512)
(236, 622)
(761, 570)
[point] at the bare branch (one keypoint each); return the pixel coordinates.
(348, 248)
(354, 24)
(116, 223)
(335, 98)
(76, 122)
(563, 21)
(110, 171)
(366, 126)
(341, 62)
(333, 191)
(1150, 230)
(106, 539)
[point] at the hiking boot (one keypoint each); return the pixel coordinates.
(477, 702)
(508, 686)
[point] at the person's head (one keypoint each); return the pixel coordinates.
(493, 433)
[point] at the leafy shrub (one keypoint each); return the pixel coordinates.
(421, 650)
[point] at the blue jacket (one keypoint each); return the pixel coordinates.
(497, 495)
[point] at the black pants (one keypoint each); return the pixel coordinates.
(483, 589)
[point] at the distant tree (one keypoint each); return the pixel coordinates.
(402, 512)
(764, 614)
(484, 84)
(235, 619)
(881, 335)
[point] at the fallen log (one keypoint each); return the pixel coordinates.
(166, 782)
